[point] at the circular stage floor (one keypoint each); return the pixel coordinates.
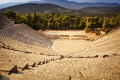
(70, 46)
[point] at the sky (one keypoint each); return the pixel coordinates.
(108, 1)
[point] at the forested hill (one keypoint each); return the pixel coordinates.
(101, 9)
(52, 8)
(38, 8)
(70, 4)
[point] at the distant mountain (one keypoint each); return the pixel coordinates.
(38, 8)
(66, 4)
(76, 5)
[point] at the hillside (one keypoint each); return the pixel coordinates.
(101, 9)
(76, 5)
(64, 3)
(51, 8)
(38, 8)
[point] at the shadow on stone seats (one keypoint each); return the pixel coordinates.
(4, 78)
(13, 70)
(24, 68)
(19, 72)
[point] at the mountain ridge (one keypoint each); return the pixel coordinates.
(102, 9)
(52, 8)
(66, 4)
(34, 7)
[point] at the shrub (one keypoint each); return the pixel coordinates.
(87, 30)
(108, 30)
(97, 32)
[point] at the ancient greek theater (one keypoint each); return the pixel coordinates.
(27, 54)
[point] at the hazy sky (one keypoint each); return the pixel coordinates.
(109, 1)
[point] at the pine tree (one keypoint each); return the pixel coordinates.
(105, 24)
(112, 22)
(28, 20)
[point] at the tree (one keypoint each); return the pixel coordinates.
(86, 29)
(117, 20)
(10, 14)
(112, 22)
(28, 20)
(35, 19)
(64, 21)
(100, 22)
(19, 19)
(82, 25)
(105, 24)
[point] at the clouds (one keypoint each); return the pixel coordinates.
(108, 1)
(6, 1)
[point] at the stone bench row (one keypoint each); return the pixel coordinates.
(107, 37)
(26, 48)
(46, 39)
(16, 33)
(17, 29)
(109, 48)
(16, 68)
(109, 41)
(4, 21)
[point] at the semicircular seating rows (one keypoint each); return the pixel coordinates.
(21, 46)
(20, 35)
(4, 22)
(19, 39)
(108, 44)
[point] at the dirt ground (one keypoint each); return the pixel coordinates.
(69, 32)
(70, 46)
(67, 45)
